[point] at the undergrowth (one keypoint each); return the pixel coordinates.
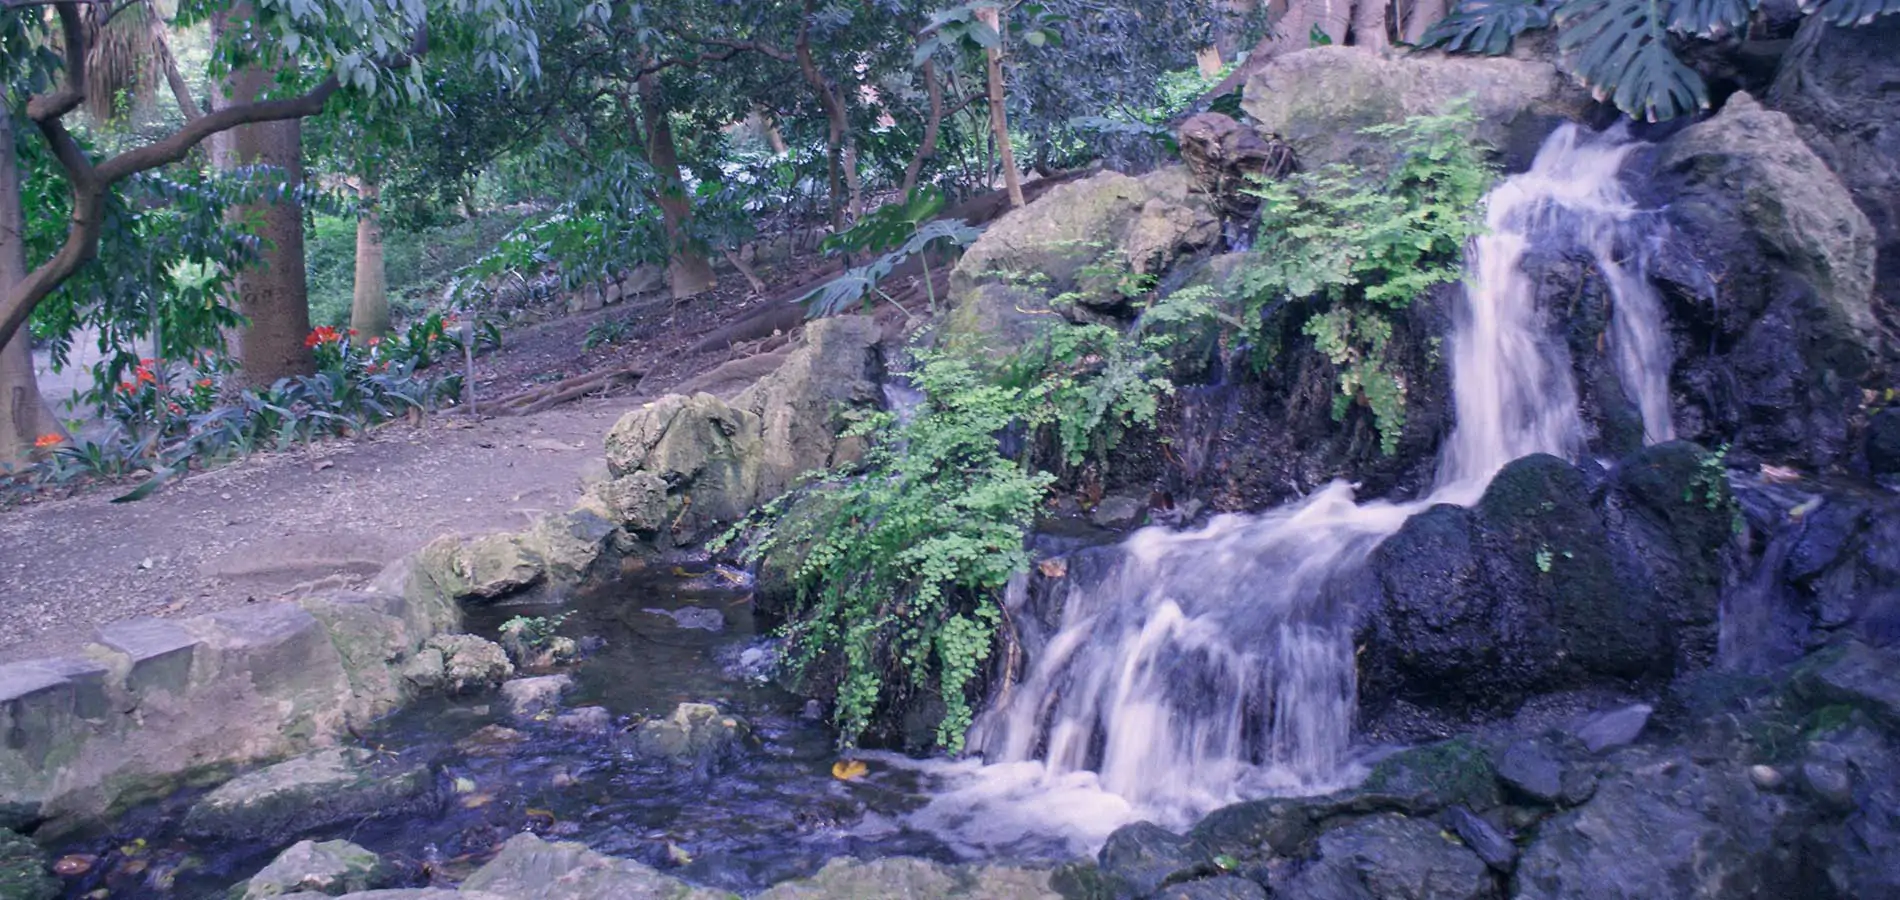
(1356, 248)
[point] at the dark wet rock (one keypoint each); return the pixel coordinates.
(695, 617)
(23, 871)
(1672, 537)
(895, 877)
(529, 868)
(1883, 441)
(1119, 512)
(1859, 850)
(586, 720)
(1146, 856)
(490, 740)
(1434, 776)
(1483, 608)
(309, 792)
(1769, 270)
(1534, 770)
(1856, 675)
(329, 868)
(1616, 728)
(1224, 887)
(695, 734)
(1483, 838)
(1661, 825)
(1843, 104)
(1390, 857)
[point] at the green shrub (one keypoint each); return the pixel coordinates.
(1357, 247)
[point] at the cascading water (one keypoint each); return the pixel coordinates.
(1214, 664)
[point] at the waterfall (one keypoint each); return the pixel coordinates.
(1215, 665)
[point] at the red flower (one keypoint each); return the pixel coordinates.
(352, 332)
(127, 387)
(204, 382)
(374, 341)
(49, 440)
(145, 375)
(175, 408)
(323, 334)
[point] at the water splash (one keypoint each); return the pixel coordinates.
(1215, 665)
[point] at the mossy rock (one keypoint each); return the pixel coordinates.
(23, 871)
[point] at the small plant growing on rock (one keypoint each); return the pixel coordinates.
(534, 641)
(1708, 486)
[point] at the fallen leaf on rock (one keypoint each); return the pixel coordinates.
(849, 769)
(1779, 474)
(74, 866)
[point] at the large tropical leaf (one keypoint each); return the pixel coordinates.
(1486, 26)
(1620, 50)
(1709, 18)
(1847, 13)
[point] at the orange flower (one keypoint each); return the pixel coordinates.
(323, 334)
(204, 382)
(175, 409)
(145, 375)
(352, 332)
(374, 341)
(45, 441)
(127, 387)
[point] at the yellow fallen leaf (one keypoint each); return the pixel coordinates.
(849, 769)
(476, 801)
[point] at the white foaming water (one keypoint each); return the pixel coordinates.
(1216, 665)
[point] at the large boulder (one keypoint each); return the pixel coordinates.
(529, 868)
(1664, 826)
(800, 406)
(23, 872)
(1064, 254)
(1771, 264)
(309, 792)
(1391, 857)
(329, 868)
(903, 877)
(1319, 100)
(1484, 607)
(1843, 103)
(684, 467)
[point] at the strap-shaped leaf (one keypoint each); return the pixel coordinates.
(1486, 26)
(1847, 13)
(1621, 52)
(1709, 18)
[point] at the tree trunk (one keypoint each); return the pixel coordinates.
(999, 118)
(933, 124)
(1419, 16)
(23, 412)
(688, 270)
(369, 304)
(1368, 25)
(272, 296)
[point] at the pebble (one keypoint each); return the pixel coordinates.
(1767, 778)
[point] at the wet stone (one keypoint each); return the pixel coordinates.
(1147, 856)
(697, 618)
(1617, 728)
(311, 791)
(161, 653)
(329, 868)
(1530, 768)
(527, 698)
(23, 872)
(1491, 845)
(586, 720)
(1225, 887)
(1862, 676)
(1391, 857)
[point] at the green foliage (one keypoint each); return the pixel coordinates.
(1708, 486)
(900, 557)
(1625, 51)
(417, 263)
(903, 556)
(857, 286)
(534, 632)
(605, 332)
(1357, 247)
(889, 225)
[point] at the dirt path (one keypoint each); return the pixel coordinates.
(339, 511)
(252, 531)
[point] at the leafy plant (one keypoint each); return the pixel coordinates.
(534, 632)
(1625, 51)
(604, 332)
(1358, 247)
(859, 285)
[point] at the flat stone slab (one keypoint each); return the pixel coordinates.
(312, 791)
(41, 704)
(161, 652)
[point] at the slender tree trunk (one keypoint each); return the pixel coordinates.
(369, 304)
(272, 296)
(999, 118)
(688, 270)
(23, 412)
(1368, 24)
(1418, 16)
(933, 124)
